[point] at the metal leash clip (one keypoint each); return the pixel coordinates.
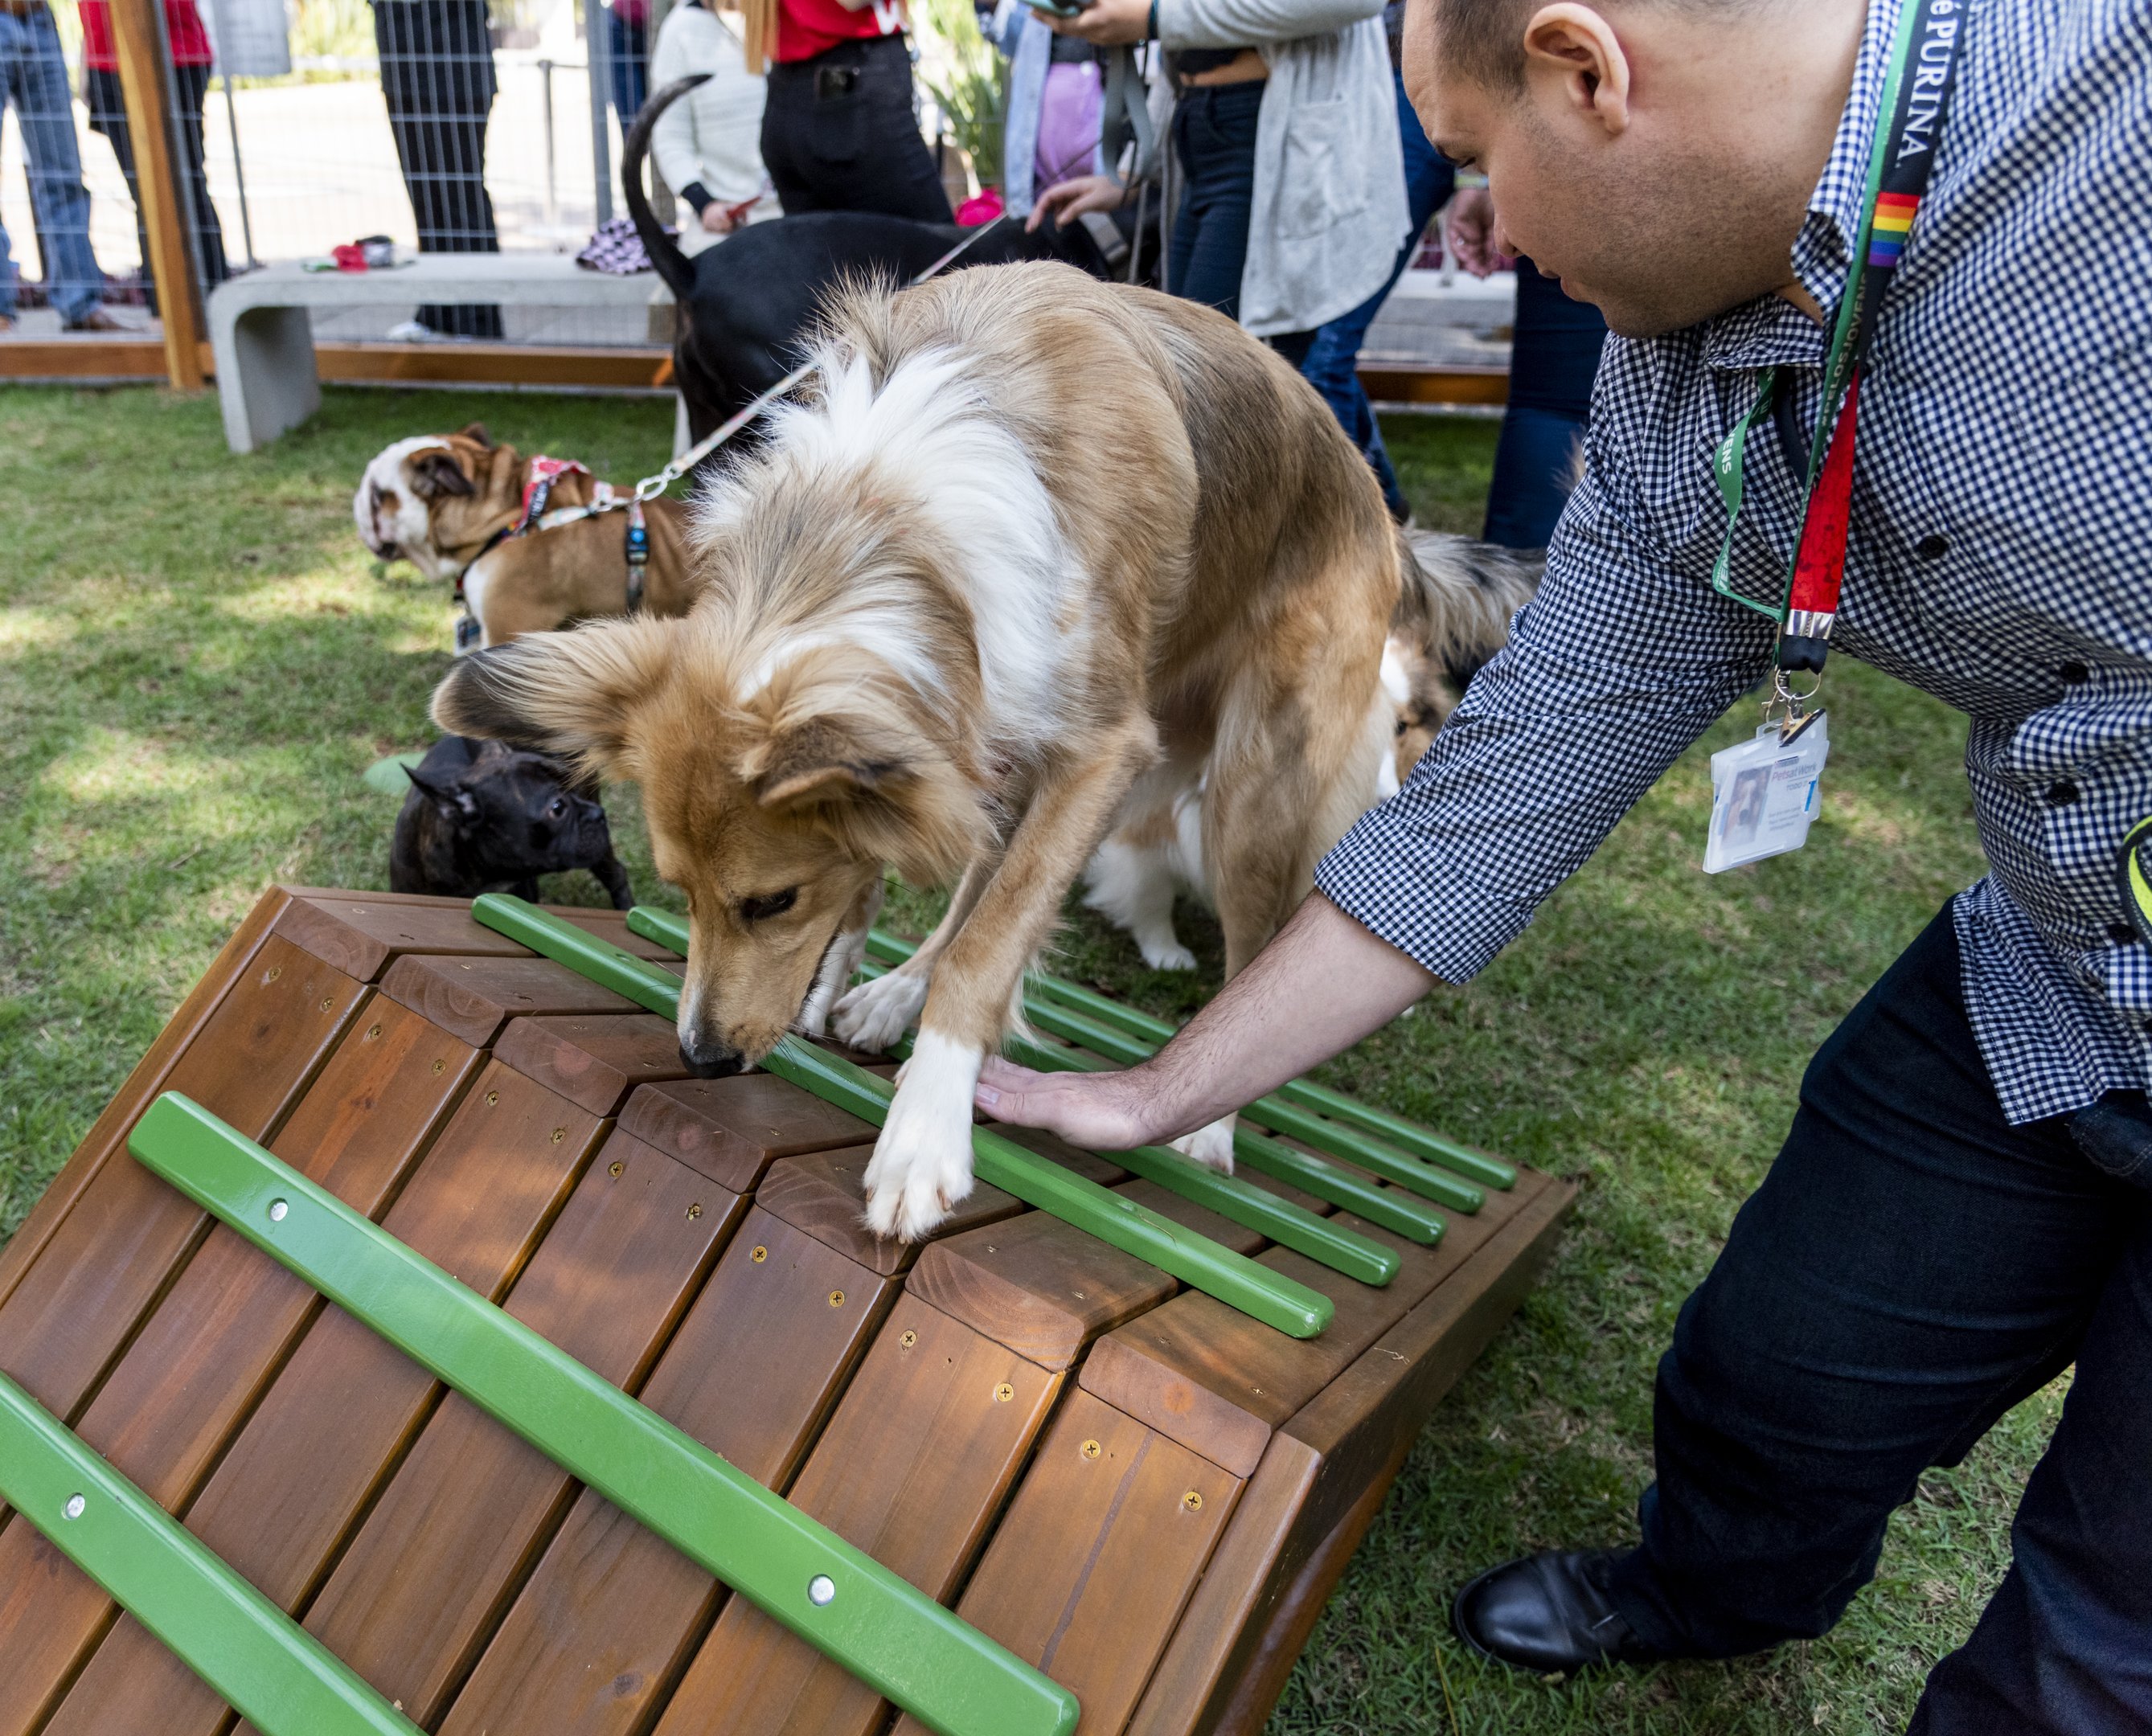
(1788, 706)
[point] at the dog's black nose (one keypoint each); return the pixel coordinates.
(707, 1058)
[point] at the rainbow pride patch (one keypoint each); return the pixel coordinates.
(1886, 232)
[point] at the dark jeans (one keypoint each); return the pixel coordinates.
(1214, 136)
(437, 79)
(108, 114)
(1554, 357)
(838, 134)
(628, 57)
(1912, 1268)
(1332, 365)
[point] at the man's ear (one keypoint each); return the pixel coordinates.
(476, 431)
(573, 694)
(435, 474)
(1573, 48)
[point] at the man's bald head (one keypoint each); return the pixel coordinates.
(1655, 155)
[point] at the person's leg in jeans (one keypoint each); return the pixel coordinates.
(1554, 357)
(108, 114)
(33, 80)
(1214, 135)
(437, 80)
(838, 134)
(1912, 1268)
(193, 84)
(630, 59)
(1332, 365)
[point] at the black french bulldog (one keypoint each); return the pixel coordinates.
(484, 817)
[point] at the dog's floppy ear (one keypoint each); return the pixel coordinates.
(823, 759)
(572, 694)
(476, 431)
(435, 474)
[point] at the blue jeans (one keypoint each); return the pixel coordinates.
(629, 47)
(33, 80)
(1912, 1267)
(1214, 136)
(1333, 360)
(1554, 357)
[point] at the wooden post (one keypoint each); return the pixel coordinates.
(138, 38)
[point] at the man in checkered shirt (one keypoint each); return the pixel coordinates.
(1963, 1207)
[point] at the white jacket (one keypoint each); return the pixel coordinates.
(1330, 210)
(712, 135)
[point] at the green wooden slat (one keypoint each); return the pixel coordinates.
(1408, 1137)
(1257, 1292)
(1325, 1181)
(891, 1635)
(1271, 1113)
(283, 1680)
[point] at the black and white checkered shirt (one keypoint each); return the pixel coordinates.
(2001, 556)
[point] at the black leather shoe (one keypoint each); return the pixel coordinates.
(1548, 1613)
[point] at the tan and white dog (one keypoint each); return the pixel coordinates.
(1459, 595)
(1043, 554)
(445, 502)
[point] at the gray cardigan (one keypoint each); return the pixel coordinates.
(1330, 211)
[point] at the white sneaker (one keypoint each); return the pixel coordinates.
(411, 331)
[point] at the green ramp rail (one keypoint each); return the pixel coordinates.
(1303, 1094)
(842, 1602)
(1271, 1297)
(283, 1680)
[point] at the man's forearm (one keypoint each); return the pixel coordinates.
(1321, 985)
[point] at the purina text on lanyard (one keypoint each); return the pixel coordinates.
(1765, 791)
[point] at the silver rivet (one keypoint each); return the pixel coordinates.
(278, 1211)
(75, 1504)
(820, 1589)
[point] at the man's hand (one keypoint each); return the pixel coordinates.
(1105, 23)
(717, 219)
(1323, 983)
(1068, 201)
(1474, 234)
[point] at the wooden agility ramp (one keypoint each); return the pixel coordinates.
(1127, 1490)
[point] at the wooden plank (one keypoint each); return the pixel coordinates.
(425, 1581)
(824, 1194)
(1220, 1382)
(205, 1354)
(473, 998)
(733, 1129)
(611, 1613)
(1316, 1476)
(634, 367)
(1038, 1285)
(109, 1132)
(360, 932)
(1488, 386)
(73, 358)
(138, 44)
(113, 1254)
(1089, 1569)
(912, 1467)
(348, 1403)
(594, 1059)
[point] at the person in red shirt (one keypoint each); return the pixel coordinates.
(192, 57)
(838, 131)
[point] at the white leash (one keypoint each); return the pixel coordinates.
(651, 487)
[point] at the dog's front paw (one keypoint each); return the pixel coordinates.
(1166, 953)
(922, 1162)
(1211, 1145)
(875, 1014)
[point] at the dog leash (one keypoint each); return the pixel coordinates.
(651, 487)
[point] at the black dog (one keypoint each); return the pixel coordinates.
(484, 817)
(744, 304)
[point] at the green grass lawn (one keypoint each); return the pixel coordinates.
(197, 659)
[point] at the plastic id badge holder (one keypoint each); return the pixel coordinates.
(1763, 794)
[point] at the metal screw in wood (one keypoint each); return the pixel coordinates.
(1004, 1393)
(440, 1066)
(759, 1255)
(559, 1134)
(328, 1001)
(1092, 1450)
(836, 1298)
(615, 1167)
(908, 1339)
(694, 1211)
(372, 1032)
(492, 1098)
(275, 971)
(1193, 1502)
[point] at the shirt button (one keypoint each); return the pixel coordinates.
(1932, 548)
(2120, 933)
(2074, 674)
(2062, 793)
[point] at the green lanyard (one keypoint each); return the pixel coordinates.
(1915, 92)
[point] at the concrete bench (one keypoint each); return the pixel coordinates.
(261, 325)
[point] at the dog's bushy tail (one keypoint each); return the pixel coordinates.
(1459, 595)
(671, 265)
